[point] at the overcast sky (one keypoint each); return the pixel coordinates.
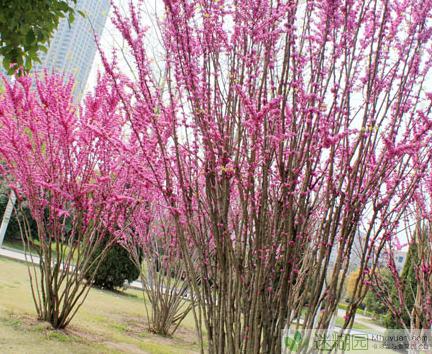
(111, 39)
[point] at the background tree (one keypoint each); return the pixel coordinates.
(26, 27)
(402, 296)
(372, 301)
(408, 281)
(115, 269)
(406, 295)
(351, 283)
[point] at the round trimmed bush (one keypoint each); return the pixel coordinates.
(116, 269)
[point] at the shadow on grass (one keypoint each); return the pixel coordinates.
(28, 323)
(121, 293)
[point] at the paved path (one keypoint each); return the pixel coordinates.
(363, 320)
(17, 255)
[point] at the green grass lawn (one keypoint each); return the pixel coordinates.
(356, 325)
(107, 323)
(373, 321)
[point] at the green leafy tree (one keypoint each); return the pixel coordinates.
(26, 27)
(373, 301)
(115, 269)
(409, 283)
(351, 284)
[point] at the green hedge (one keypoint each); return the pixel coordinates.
(115, 269)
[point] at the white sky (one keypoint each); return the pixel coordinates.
(111, 38)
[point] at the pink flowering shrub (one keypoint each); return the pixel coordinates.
(58, 158)
(282, 133)
(151, 241)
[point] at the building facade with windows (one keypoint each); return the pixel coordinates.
(72, 48)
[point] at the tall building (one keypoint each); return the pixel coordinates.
(72, 48)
